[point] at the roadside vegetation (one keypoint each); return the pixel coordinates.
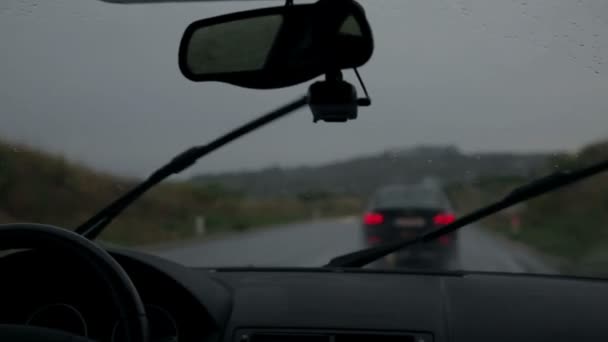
(570, 224)
(38, 187)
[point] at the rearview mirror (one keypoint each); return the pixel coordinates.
(278, 46)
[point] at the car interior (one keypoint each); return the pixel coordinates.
(325, 304)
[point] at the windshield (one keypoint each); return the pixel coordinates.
(471, 98)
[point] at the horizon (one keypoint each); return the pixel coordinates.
(188, 175)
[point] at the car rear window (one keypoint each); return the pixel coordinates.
(406, 197)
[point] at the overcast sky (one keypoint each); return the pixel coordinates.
(99, 83)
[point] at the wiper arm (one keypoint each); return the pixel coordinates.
(94, 225)
(523, 193)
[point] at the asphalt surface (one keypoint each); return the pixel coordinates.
(314, 244)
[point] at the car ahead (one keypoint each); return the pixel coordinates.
(61, 285)
(399, 212)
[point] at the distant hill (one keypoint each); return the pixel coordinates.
(360, 176)
(36, 186)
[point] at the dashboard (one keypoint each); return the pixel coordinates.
(305, 305)
(45, 289)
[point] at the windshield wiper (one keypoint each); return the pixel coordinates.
(93, 226)
(523, 193)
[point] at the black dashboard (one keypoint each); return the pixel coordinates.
(310, 305)
(473, 307)
(47, 289)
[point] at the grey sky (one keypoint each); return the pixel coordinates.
(99, 83)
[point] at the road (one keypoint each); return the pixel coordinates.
(314, 244)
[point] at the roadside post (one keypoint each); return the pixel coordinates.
(199, 225)
(514, 213)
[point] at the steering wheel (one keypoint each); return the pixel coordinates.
(108, 272)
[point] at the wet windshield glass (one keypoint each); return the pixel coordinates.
(470, 98)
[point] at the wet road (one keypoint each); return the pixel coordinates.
(314, 244)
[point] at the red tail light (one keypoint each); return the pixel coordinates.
(372, 219)
(442, 219)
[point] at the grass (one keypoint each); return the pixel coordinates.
(39, 187)
(570, 224)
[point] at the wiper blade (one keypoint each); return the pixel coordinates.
(94, 225)
(520, 194)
